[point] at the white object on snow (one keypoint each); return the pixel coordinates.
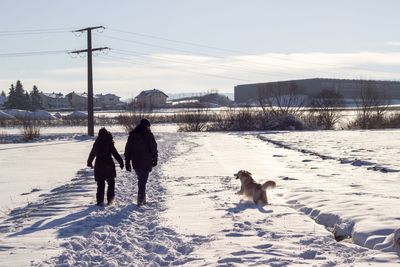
(42, 115)
(19, 114)
(76, 115)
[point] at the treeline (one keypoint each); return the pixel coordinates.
(18, 98)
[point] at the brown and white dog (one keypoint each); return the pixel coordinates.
(252, 189)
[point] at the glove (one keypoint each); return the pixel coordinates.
(128, 166)
(154, 163)
(121, 165)
(89, 164)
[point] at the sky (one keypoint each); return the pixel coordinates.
(186, 46)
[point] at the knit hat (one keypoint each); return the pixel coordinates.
(145, 122)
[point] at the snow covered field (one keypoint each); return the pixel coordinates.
(342, 182)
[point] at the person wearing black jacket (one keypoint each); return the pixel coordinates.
(104, 168)
(141, 152)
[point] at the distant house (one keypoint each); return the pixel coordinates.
(150, 99)
(107, 101)
(54, 101)
(3, 100)
(77, 100)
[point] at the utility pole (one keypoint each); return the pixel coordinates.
(89, 51)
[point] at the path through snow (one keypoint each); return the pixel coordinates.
(193, 216)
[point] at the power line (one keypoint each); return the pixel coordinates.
(142, 62)
(213, 65)
(33, 53)
(215, 48)
(239, 59)
(187, 51)
(176, 41)
(35, 32)
(229, 67)
(231, 51)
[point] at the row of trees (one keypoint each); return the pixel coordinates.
(324, 109)
(18, 98)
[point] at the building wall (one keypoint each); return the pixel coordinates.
(152, 101)
(54, 102)
(106, 101)
(348, 88)
(77, 101)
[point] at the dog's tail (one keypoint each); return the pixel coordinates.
(268, 184)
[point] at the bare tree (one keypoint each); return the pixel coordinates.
(282, 99)
(195, 121)
(372, 105)
(326, 104)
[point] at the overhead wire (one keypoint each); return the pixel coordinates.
(189, 52)
(243, 53)
(35, 31)
(219, 48)
(143, 62)
(213, 65)
(240, 59)
(33, 53)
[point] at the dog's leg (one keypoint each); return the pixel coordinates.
(255, 199)
(265, 199)
(240, 192)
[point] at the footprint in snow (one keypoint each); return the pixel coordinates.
(32, 191)
(308, 255)
(265, 246)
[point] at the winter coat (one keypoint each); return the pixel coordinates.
(141, 149)
(104, 167)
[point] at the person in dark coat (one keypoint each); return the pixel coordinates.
(104, 168)
(141, 152)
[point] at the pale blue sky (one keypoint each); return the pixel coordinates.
(263, 41)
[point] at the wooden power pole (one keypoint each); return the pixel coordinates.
(89, 51)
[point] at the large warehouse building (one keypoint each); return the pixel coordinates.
(349, 89)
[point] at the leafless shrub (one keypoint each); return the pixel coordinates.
(130, 120)
(250, 119)
(30, 129)
(372, 107)
(194, 121)
(376, 122)
(392, 121)
(3, 137)
(326, 112)
(243, 119)
(279, 99)
(285, 122)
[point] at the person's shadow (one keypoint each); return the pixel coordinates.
(79, 223)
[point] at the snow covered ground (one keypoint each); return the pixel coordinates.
(193, 216)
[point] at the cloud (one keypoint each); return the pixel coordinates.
(392, 43)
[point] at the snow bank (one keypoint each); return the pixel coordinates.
(76, 115)
(337, 187)
(203, 201)
(25, 114)
(19, 114)
(5, 116)
(42, 115)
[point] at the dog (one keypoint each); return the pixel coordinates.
(252, 189)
